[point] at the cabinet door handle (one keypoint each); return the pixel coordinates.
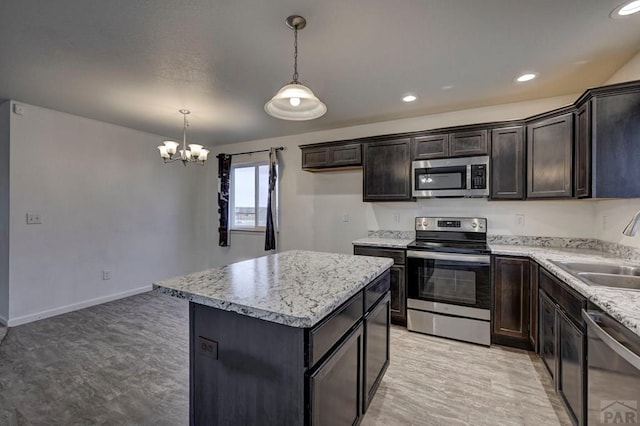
(612, 343)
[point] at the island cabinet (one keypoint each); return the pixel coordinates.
(563, 342)
(387, 170)
(331, 156)
(511, 301)
(508, 165)
(398, 278)
(273, 370)
(550, 155)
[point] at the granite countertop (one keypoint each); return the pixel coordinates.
(295, 288)
(622, 304)
(400, 243)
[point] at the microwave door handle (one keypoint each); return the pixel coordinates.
(449, 256)
(468, 176)
(612, 343)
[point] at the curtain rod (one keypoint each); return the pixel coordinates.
(280, 148)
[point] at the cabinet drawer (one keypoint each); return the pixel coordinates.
(570, 302)
(329, 332)
(374, 291)
(397, 255)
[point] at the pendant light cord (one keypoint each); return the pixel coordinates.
(295, 54)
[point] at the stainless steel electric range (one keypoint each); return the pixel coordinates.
(449, 279)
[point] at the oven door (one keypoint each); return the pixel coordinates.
(449, 278)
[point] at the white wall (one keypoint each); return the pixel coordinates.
(107, 203)
(313, 205)
(4, 212)
(613, 215)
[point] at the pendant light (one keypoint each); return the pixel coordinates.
(195, 154)
(295, 101)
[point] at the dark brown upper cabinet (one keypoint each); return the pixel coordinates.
(507, 163)
(615, 138)
(582, 154)
(431, 146)
(455, 144)
(387, 170)
(317, 158)
(550, 156)
(463, 144)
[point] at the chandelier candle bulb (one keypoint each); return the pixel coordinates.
(195, 149)
(171, 147)
(163, 151)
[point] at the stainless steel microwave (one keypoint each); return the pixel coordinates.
(451, 177)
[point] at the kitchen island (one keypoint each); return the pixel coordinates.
(293, 338)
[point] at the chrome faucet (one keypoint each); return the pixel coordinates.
(632, 228)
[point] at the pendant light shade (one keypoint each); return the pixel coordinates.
(295, 101)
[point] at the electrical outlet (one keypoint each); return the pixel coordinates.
(106, 275)
(345, 217)
(396, 219)
(33, 219)
(520, 220)
(605, 222)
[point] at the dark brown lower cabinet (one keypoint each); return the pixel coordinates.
(398, 278)
(335, 388)
(511, 301)
(377, 348)
(563, 342)
(534, 270)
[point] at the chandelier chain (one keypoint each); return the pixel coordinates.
(295, 54)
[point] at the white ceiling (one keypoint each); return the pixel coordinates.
(136, 62)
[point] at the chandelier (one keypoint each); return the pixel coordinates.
(295, 101)
(195, 154)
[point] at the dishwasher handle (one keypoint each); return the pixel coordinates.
(612, 343)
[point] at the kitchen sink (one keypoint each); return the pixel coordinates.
(611, 280)
(604, 275)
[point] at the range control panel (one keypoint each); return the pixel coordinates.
(458, 224)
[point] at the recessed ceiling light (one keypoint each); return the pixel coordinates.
(626, 9)
(409, 98)
(446, 87)
(526, 77)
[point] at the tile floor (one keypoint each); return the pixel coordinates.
(126, 363)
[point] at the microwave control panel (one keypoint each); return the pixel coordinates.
(478, 176)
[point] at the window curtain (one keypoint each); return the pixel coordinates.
(224, 169)
(270, 234)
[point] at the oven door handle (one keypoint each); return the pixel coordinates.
(449, 256)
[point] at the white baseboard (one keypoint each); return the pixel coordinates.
(74, 307)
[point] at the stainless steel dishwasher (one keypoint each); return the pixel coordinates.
(613, 362)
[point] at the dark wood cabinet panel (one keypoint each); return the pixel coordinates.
(571, 371)
(377, 348)
(507, 163)
(582, 154)
(398, 295)
(387, 170)
(397, 277)
(547, 332)
(534, 270)
(315, 158)
(332, 156)
(511, 297)
(335, 388)
(430, 146)
(463, 144)
(550, 157)
(616, 143)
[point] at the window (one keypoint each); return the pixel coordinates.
(249, 193)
